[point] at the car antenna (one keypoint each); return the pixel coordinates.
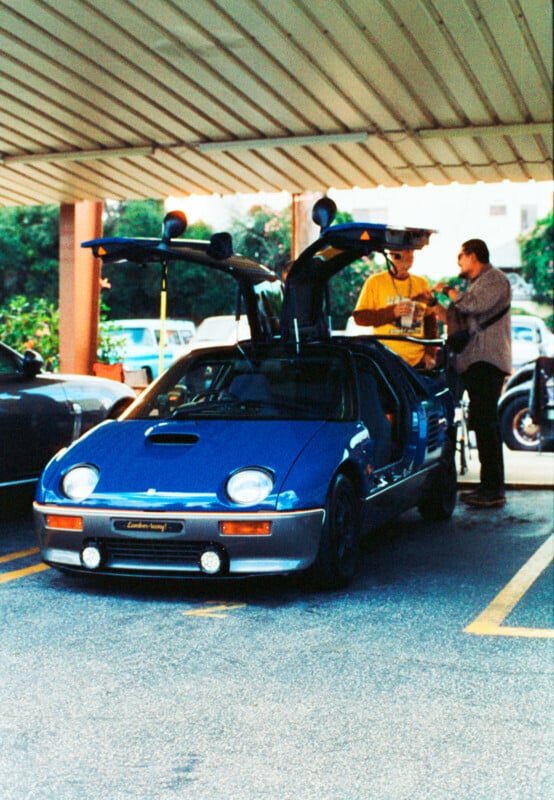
(391, 266)
(328, 309)
(238, 304)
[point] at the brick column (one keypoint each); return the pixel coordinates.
(303, 229)
(79, 286)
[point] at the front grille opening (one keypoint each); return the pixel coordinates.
(153, 551)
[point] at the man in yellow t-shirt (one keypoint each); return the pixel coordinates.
(386, 303)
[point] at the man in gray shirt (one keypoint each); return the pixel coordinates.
(484, 310)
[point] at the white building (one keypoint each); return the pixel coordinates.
(495, 212)
(498, 213)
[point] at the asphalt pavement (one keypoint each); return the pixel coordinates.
(429, 678)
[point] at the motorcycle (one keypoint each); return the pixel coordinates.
(525, 407)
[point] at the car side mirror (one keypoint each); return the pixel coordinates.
(174, 225)
(32, 363)
(324, 212)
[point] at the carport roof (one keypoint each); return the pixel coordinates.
(149, 98)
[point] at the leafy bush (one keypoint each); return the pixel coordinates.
(29, 253)
(32, 323)
(111, 341)
(537, 258)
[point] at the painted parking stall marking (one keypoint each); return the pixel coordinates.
(15, 574)
(489, 622)
(19, 554)
(214, 609)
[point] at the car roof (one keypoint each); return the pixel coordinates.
(153, 323)
(527, 321)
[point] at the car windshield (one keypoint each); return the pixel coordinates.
(171, 337)
(261, 383)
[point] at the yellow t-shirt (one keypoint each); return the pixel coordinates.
(382, 290)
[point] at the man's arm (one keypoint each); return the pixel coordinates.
(374, 316)
(381, 316)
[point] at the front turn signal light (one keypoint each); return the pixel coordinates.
(245, 528)
(64, 523)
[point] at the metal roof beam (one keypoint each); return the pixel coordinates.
(509, 129)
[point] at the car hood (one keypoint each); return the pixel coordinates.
(180, 463)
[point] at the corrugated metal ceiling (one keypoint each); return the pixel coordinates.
(150, 98)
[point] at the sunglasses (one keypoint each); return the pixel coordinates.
(398, 256)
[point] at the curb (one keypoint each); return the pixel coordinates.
(512, 486)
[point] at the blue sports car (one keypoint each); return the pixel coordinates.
(272, 455)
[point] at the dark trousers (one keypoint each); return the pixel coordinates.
(484, 382)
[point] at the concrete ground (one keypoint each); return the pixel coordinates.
(522, 470)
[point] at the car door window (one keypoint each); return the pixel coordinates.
(380, 411)
(8, 366)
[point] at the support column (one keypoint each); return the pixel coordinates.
(303, 229)
(79, 286)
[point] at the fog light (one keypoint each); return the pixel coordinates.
(91, 556)
(211, 562)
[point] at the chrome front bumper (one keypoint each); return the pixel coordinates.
(154, 543)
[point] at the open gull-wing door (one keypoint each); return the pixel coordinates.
(252, 278)
(306, 311)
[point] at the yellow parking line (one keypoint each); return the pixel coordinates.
(489, 622)
(211, 609)
(20, 554)
(21, 573)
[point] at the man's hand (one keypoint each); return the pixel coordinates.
(426, 297)
(429, 360)
(449, 291)
(403, 308)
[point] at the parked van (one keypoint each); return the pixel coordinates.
(218, 330)
(142, 347)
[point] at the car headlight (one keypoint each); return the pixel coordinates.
(79, 482)
(249, 486)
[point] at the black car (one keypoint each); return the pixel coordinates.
(41, 412)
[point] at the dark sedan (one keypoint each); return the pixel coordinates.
(42, 412)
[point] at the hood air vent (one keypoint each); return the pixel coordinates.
(173, 438)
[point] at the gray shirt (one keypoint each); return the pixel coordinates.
(486, 295)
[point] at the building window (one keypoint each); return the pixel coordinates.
(528, 217)
(376, 215)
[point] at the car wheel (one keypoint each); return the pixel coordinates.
(519, 432)
(339, 550)
(438, 497)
